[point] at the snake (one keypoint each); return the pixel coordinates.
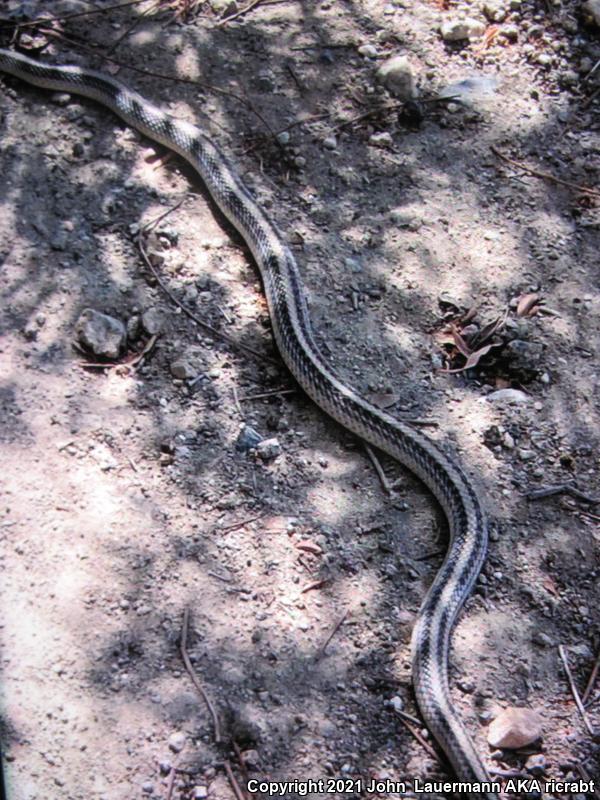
(295, 339)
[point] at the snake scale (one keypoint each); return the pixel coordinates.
(296, 342)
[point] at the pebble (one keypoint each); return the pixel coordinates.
(330, 143)
(147, 787)
(456, 30)
(183, 369)
(541, 638)
(103, 335)
(396, 75)
(177, 741)
(536, 764)
(268, 449)
(353, 264)
(508, 396)
(200, 792)
(283, 137)
(152, 321)
(61, 98)
(495, 10)
(514, 728)
(383, 139)
(247, 439)
(396, 703)
(368, 50)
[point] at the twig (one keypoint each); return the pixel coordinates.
(387, 485)
(191, 314)
(547, 176)
(237, 525)
(314, 585)
(148, 226)
(321, 651)
(233, 781)
(38, 20)
(267, 394)
(575, 693)
(365, 115)
(131, 28)
(162, 76)
(417, 736)
(561, 488)
(171, 784)
(590, 684)
(194, 677)
(238, 13)
(236, 400)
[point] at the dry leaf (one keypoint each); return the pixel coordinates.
(309, 547)
(527, 305)
(474, 358)
(460, 343)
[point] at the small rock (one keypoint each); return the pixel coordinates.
(283, 137)
(396, 74)
(200, 792)
(247, 439)
(396, 703)
(105, 336)
(134, 327)
(536, 764)
(330, 143)
(177, 741)
(147, 787)
(61, 98)
(152, 321)
(508, 396)
(495, 10)
(268, 449)
(383, 139)
(266, 81)
(251, 758)
(591, 12)
(183, 369)
(353, 265)
(456, 30)
(514, 728)
(541, 638)
(525, 358)
(368, 50)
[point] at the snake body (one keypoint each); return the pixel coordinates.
(296, 342)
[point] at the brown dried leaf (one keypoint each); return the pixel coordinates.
(550, 586)
(309, 547)
(489, 330)
(460, 343)
(474, 358)
(527, 305)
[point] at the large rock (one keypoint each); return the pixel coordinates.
(514, 728)
(104, 336)
(396, 74)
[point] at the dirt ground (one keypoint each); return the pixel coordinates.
(125, 496)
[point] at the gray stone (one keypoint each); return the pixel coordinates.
(495, 10)
(456, 30)
(103, 335)
(247, 439)
(177, 741)
(508, 396)
(368, 50)
(396, 74)
(383, 139)
(514, 728)
(183, 368)
(152, 321)
(268, 449)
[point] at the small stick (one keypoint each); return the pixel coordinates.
(239, 524)
(191, 314)
(408, 717)
(194, 677)
(266, 394)
(562, 488)
(321, 651)
(171, 784)
(418, 737)
(590, 685)
(585, 776)
(547, 176)
(236, 400)
(154, 222)
(387, 485)
(575, 693)
(314, 585)
(232, 780)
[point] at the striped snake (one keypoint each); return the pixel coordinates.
(296, 342)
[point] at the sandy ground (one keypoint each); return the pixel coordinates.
(124, 499)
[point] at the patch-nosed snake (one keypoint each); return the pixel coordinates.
(296, 342)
